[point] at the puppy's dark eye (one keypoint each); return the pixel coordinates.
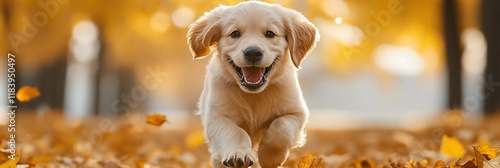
(270, 34)
(235, 34)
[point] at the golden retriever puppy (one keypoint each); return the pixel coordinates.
(251, 106)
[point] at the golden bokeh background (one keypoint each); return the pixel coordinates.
(391, 83)
(375, 58)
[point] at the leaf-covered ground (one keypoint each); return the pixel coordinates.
(48, 140)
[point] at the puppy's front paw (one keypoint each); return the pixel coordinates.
(239, 159)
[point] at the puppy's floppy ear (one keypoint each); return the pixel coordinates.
(301, 36)
(205, 32)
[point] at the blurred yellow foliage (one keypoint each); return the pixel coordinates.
(451, 147)
(54, 142)
(10, 163)
(195, 139)
(41, 159)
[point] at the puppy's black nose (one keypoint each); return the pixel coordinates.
(253, 54)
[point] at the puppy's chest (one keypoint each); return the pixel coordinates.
(255, 114)
(257, 123)
(256, 117)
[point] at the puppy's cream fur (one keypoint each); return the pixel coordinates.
(244, 126)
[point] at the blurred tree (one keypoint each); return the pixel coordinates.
(453, 54)
(51, 80)
(98, 75)
(490, 22)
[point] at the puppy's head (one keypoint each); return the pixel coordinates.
(256, 42)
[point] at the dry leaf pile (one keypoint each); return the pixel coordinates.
(50, 140)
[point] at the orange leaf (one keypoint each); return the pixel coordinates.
(451, 147)
(156, 119)
(440, 164)
(310, 161)
(364, 162)
(139, 163)
(26, 93)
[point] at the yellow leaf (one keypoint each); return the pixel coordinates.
(195, 139)
(451, 147)
(26, 93)
(11, 163)
(306, 161)
(310, 161)
(487, 150)
(156, 119)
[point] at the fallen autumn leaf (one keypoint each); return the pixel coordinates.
(26, 93)
(451, 147)
(156, 119)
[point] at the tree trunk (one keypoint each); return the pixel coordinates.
(490, 22)
(453, 55)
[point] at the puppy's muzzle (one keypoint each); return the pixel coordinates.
(253, 54)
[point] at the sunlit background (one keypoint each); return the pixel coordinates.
(378, 62)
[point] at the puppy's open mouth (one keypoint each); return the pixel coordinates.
(252, 77)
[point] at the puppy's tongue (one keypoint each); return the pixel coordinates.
(253, 74)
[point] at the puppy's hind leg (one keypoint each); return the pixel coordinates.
(283, 134)
(272, 156)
